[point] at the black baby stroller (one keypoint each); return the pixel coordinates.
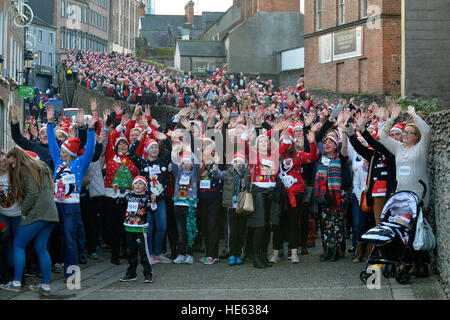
(392, 239)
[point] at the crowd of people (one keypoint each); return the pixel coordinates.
(126, 183)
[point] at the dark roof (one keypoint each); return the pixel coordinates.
(160, 22)
(39, 22)
(198, 48)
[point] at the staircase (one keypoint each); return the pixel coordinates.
(68, 87)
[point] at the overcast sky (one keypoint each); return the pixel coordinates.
(176, 7)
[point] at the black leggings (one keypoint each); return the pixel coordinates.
(292, 223)
(260, 237)
(114, 229)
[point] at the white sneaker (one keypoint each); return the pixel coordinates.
(161, 258)
(294, 258)
(179, 259)
(189, 259)
(274, 259)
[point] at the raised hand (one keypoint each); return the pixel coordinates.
(117, 108)
(311, 136)
(106, 114)
(160, 135)
(26, 134)
(93, 104)
(309, 119)
(144, 123)
(125, 119)
(316, 127)
(186, 123)
(100, 138)
(396, 110)
(33, 130)
(79, 118)
(136, 112)
(15, 113)
(225, 112)
(361, 121)
(411, 111)
(155, 123)
(50, 114)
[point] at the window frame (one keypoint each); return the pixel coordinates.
(340, 12)
(363, 4)
(318, 15)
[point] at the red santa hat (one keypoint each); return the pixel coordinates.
(139, 178)
(72, 146)
(137, 127)
(64, 130)
(186, 157)
(119, 139)
(32, 154)
(332, 139)
(148, 143)
(43, 127)
(238, 156)
(297, 126)
(399, 127)
(290, 133)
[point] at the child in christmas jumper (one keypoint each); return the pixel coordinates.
(186, 174)
(138, 205)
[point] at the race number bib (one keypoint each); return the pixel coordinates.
(266, 163)
(184, 180)
(404, 171)
(132, 206)
(326, 161)
(205, 184)
(69, 179)
(155, 170)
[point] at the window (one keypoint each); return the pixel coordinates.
(50, 59)
(50, 38)
(318, 15)
(1, 36)
(40, 35)
(62, 39)
(362, 9)
(80, 13)
(39, 58)
(340, 12)
(69, 34)
(63, 8)
(85, 15)
(80, 42)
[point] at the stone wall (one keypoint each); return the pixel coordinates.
(439, 173)
(83, 95)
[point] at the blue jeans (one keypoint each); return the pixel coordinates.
(359, 221)
(69, 217)
(40, 230)
(157, 226)
(12, 223)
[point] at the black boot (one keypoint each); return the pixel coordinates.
(264, 259)
(327, 255)
(257, 262)
(335, 253)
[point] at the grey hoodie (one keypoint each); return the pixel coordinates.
(188, 181)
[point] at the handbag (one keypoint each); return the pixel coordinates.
(424, 239)
(363, 201)
(245, 204)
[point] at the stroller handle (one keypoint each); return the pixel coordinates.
(424, 188)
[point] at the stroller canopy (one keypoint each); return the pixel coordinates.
(404, 203)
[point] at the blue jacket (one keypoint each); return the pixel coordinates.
(68, 177)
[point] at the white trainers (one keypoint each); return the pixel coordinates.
(161, 259)
(274, 259)
(294, 258)
(189, 259)
(179, 259)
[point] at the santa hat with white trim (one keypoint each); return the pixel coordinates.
(139, 178)
(332, 139)
(32, 154)
(238, 156)
(72, 146)
(148, 143)
(399, 127)
(186, 157)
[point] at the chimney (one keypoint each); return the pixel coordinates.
(189, 11)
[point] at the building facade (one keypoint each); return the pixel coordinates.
(11, 73)
(43, 40)
(353, 46)
(124, 17)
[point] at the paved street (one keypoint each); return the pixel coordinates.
(308, 280)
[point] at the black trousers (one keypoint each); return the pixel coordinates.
(114, 229)
(292, 218)
(209, 211)
(181, 213)
(260, 237)
(136, 246)
(237, 225)
(89, 211)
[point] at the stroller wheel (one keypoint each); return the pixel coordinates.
(363, 276)
(402, 276)
(389, 270)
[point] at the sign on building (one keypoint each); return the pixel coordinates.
(26, 91)
(340, 45)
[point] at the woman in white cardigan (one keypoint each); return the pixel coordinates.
(411, 155)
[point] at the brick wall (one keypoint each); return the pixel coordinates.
(279, 5)
(377, 70)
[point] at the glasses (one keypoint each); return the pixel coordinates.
(409, 132)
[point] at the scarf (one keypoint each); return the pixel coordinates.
(238, 176)
(328, 179)
(191, 219)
